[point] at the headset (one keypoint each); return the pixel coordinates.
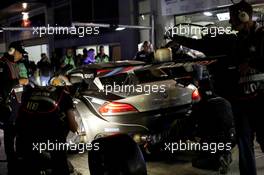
(242, 15)
(11, 51)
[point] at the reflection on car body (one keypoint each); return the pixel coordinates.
(141, 115)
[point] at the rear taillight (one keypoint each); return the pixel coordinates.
(115, 108)
(196, 96)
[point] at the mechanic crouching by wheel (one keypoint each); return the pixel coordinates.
(215, 125)
(45, 118)
(9, 101)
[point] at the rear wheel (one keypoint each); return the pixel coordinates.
(117, 154)
(81, 136)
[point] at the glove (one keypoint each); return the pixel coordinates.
(5, 111)
(262, 147)
(261, 143)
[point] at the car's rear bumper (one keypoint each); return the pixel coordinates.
(141, 126)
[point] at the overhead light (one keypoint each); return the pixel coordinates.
(143, 17)
(208, 13)
(223, 16)
(25, 15)
(120, 28)
(25, 23)
(24, 5)
(1, 30)
(25, 19)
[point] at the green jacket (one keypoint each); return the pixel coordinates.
(70, 61)
(101, 59)
(23, 73)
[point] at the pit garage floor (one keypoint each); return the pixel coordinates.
(177, 165)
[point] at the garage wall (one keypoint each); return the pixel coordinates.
(160, 23)
(2, 47)
(34, 52)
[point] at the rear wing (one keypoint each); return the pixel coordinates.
(90, 72)
(105, 72)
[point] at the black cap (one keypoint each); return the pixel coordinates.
(17, 46)
(241, 6)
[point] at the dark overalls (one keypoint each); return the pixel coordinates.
(42, 120)
(248, 103)
(244, 48)
(9, 101)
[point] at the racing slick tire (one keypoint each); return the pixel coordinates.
(215, 125)
(215, 120)
(117, 154)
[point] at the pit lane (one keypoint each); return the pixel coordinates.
(179, 164)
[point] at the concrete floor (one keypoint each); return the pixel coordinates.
(176, 165)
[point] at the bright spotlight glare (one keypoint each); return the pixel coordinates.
(208, 13)
(24, 5)
(120, 28)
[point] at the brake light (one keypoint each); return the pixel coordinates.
(196, 95)
(115, 108)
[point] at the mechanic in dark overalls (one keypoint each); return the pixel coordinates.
(46, 116)
(9, 88)
(239, 77)
(249, 104)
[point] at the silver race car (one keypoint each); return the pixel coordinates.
(140, 100)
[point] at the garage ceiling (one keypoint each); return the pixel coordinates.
(9, 8)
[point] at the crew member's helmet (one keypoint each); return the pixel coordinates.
(60, 81)
(163, 55)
